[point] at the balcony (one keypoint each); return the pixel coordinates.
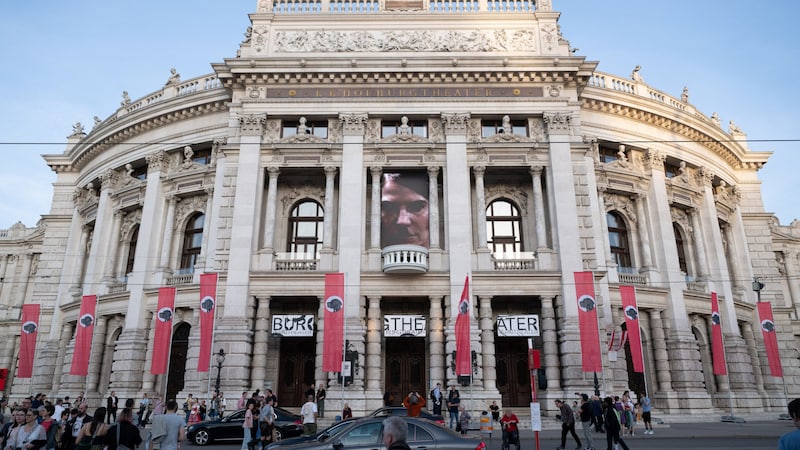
(631, 276)
(514, 261)
(118, 286)
(294, 262)
(182, 276)
(405, 259)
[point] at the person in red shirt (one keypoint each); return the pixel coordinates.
(509, 423)
(414, 404)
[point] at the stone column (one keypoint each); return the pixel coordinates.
(750, 341)
(733, 257)
(327, 221)
(63, 343)
(272, 200)
(663, 375)
(375, 208)
(148, 379)
(167, 234)
(97, 261)
(644, 236)
(208, 212)
(550, 339)
(77, 282)
(373, 353)
(25, 277)
(113, 247)
(699, 245)
(480, 206)
(792, 276)
(95, 360)
(433, 205)
(436, 340)
(538, 208)
(258, 369)
(487, 343)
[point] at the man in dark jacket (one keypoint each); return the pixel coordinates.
(612, 424)
(567, 424)
(395, 431)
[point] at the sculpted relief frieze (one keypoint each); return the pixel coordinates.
(329, 41)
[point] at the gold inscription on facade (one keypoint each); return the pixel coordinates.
(404, 92)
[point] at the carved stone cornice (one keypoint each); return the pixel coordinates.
(455, 123)
(252, 124)
(156, 161)
(557, 123)
(353, 123)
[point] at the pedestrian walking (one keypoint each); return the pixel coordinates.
(613, 426)
(567, 424)
(586, 421)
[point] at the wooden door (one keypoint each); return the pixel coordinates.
(296, 370)
(513, 375)
(405, 367)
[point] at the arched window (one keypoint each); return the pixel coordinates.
(618, 238)
(131, 251)
(305, 225)
(503, 225)
(680, 244)
(192, 242)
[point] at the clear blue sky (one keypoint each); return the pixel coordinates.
(65, 62)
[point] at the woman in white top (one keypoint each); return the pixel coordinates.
(23, 436)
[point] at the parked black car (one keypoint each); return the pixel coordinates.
(401, 411)
(319, 436)
(367, 434)
(230, 428)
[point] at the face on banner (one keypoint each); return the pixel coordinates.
(404, 209)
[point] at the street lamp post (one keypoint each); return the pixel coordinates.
(220, 360)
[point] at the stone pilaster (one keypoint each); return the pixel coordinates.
(272, 200)
(486, 325)
(552, 360)
(373, 354)
(436, 340)
(258, 373)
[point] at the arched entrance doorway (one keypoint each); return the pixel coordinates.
(177, 359)
(405, 367)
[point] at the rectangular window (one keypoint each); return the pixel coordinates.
(491, 127)
(314, 128)
(415, 127)
(608, 154)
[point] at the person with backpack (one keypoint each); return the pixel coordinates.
(123, 435)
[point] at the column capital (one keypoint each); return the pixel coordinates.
(706, 176)
(433, 171)
(252, 124)
(455, 122)
(479, 170)
(273, 171)
(655, 159)
(353, 123)
(330, 170)
(536, 170)
(156, 161)
(557, 122)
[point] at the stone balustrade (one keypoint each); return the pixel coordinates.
(405, 259)
(375, 6)
(296, 261)
(514, 261)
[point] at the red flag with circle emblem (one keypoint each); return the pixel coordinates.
(333, 342)
(631, 312)
(208, 308)
(27, 340)
(83, 336)
(463, 351)
(587, 322)
(770, 338)
(163, 333)
(717, 346)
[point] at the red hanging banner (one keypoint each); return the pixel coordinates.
(717, 346)
(770, 338)
(163, 333)
(208, 308)
(587, 322)
(463, 351)
(27, 340)
(83, 337)
(631, 311)
(333, 334)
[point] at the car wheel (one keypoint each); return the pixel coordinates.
(201, 437)
(278, 434)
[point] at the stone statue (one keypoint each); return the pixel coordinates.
(126, 99)
(188, 154)
(77, 128)
(733, 128)
(248, 34)
(715, 119)
(97, 120)
(174, 77)
(302, 128)
(685, 95)
(507, 128)
(636, 76)
(404, 129)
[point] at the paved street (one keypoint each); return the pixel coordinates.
(705, 435)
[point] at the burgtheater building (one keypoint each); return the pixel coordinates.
(520, 165)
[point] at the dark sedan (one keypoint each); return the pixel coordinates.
(230, 428)
(318, 436)
(367, 434)
(401, 411)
